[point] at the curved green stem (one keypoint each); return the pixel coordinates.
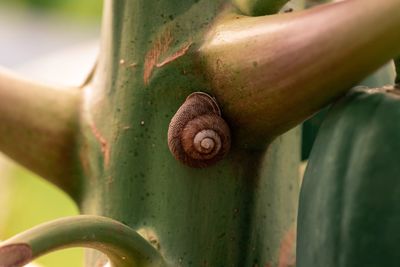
(124, 246)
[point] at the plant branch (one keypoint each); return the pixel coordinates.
(124, 246)
(270, 73)
(38, 124)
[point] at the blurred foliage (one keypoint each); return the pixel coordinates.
(87, 9)
(26, 201)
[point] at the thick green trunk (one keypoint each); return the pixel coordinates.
(236, 213)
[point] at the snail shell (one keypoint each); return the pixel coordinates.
(197, 134)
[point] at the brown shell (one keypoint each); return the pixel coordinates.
(199, 118)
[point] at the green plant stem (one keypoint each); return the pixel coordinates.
(37, 128)
(123, 246)
(270, 73)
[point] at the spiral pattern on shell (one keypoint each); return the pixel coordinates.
(197, 135)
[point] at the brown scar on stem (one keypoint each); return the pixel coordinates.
(105, 148)
(287, 256)
(182, 51)
(15, 255)
(160, 46)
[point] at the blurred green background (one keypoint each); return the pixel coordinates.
(27, 200)
(26, 39)
(87, 9)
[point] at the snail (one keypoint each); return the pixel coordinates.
(197, 135)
